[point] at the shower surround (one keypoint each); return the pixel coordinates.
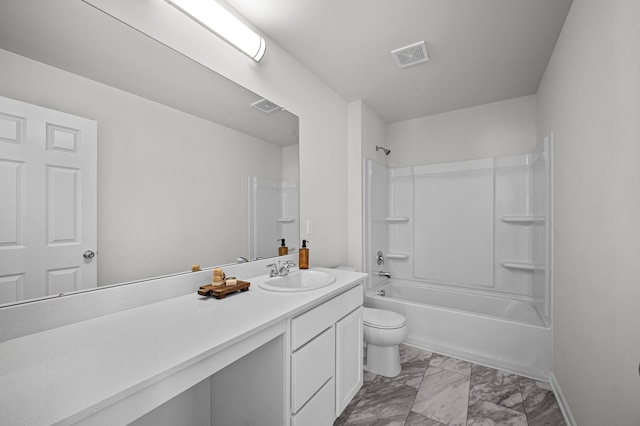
(468, 248)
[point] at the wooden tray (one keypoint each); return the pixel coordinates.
(220, 292)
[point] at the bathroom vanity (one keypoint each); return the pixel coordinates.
(258, 357)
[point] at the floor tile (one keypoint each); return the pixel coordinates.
(495, 386)
(483, 413)
(451, 364)
(385, 402)
(443, 396)
(416, 419)
(368, 378)
(436, 390)
(540, 403)
(414, 364)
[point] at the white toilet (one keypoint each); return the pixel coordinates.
(383, 332)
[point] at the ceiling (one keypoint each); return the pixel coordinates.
(481, 50)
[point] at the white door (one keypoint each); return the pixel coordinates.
(48, 186)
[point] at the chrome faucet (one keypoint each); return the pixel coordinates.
(280, 270)
(383, 274)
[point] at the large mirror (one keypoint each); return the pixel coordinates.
(179, 146)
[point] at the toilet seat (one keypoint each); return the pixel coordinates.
(380, 318)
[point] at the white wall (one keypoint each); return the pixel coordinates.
(164, 187)
(366, 130)
(590, 99)
(374, 133)
(354, 184)
(491, 130)
(376, 200)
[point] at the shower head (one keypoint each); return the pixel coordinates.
(386, 151)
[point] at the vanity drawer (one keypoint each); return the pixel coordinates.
(309, 324)
(319, 411)
(311, 367)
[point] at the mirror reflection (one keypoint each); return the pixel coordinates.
(178, 146)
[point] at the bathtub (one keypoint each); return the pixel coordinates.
(497, 332)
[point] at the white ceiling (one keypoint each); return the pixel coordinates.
(481, 50)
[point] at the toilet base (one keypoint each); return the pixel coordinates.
(383, 360)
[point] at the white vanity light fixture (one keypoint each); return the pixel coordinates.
(214, 17)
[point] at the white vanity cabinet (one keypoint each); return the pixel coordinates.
(253, 358)
(326, 359)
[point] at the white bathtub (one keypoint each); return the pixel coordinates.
(494, 331)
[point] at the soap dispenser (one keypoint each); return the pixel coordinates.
(303, 256)
(283, 249)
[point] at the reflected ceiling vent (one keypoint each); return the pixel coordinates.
(265, 106)
(411, 55)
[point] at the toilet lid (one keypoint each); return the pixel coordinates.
(382, 318)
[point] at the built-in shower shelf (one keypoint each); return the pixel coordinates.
(398, 256)
(523, 220)
(286, 219)
(397, 219)
(522, 266)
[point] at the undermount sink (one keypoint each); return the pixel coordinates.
(298, 281)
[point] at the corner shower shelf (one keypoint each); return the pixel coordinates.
(522, 266)
(286, 219)
(523, 220)
(397, 219)
(398, 256)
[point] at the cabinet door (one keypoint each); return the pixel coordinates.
(348, 358)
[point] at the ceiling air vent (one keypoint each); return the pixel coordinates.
(265, 106)
(411, 55)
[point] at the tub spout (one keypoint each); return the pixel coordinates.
(383, 274)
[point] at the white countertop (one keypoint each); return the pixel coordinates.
(67, 373)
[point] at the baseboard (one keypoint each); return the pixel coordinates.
(562, 402)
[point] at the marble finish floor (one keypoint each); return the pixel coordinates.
(435, 390)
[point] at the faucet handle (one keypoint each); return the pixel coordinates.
(274, 268)
(287, 265)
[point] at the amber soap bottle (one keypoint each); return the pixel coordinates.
(303, 256)
(283, 249)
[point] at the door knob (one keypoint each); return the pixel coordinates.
(88, 254)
